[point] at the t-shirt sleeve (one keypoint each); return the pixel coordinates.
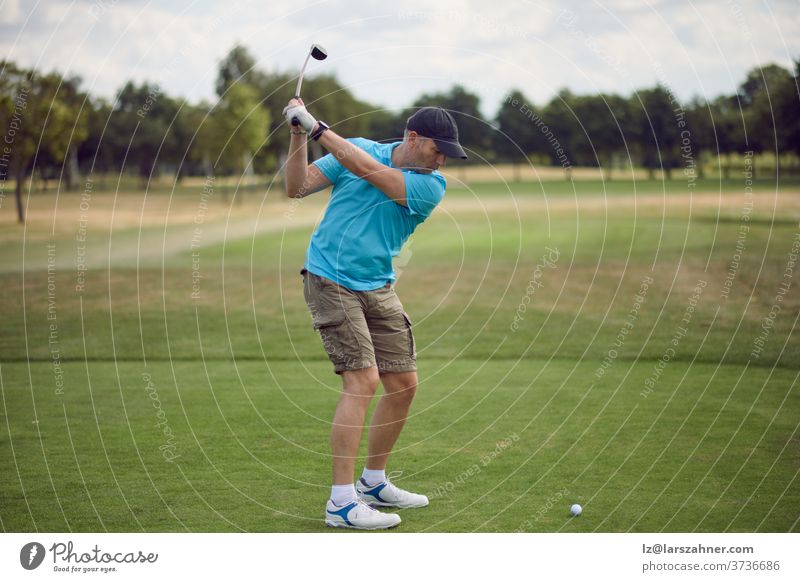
(333, 168)
(423, 192)
(330, 167)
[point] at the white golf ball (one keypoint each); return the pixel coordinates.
(576, 510)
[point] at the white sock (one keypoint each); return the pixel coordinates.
(373, 476)
(341, 495)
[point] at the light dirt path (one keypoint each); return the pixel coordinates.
(168, 227)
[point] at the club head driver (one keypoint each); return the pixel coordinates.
(318, 52)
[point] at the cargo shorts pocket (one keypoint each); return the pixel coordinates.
(410, 331)
(337, 338)
(347, 346)
(327, 319)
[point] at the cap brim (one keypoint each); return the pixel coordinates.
(452, 149)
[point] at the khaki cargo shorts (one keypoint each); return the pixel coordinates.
(360, 329)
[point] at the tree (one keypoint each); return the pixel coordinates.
(384, 125)
(760, 80)
(563, 130)
(700, 124)
(606, 119)
(77, 107)
(92, 157)
(198, 138)
(38, 121)
(655, 129)
(139, 130)
(770, 95)
(239, 126)
(788, 109)
(728, 124)
(590, 118)
(238, 67)
(514, 138)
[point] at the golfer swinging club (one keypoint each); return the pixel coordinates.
(381, 193)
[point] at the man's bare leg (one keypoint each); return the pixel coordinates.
(358, 388)
(390, 416)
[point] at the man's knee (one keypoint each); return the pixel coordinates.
(407, 393)
(401, 386)
(362, 382)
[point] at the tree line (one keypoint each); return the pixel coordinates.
(55, 130)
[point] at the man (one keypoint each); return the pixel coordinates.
(381, 193)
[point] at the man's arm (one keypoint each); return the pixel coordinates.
(302, 178)
(388, 180)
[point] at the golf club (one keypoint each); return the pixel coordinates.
(320, 54)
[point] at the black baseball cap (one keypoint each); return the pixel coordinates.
(439, 125)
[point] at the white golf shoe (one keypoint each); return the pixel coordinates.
(358, 515)
(387, 494)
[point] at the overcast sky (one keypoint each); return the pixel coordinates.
(390, 52)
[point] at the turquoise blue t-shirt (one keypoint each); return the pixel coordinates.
(363, 228)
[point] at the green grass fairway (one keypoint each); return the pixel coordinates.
(632, 347)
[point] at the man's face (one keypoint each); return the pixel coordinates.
(426, 156)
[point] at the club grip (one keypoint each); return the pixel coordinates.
(296, 121)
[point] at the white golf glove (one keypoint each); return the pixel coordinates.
(307, 121)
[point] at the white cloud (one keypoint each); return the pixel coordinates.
(391, 53)
(11, 12)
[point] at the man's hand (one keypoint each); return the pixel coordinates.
(302, 178)
(296, 110)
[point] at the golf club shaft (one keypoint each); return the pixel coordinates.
(296, 121)
(300, 79)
